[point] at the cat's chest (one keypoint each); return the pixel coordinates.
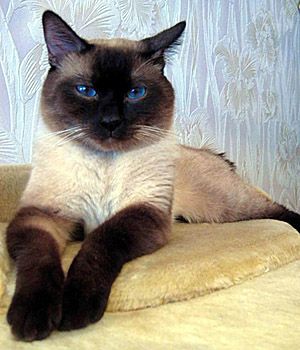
(93, 187)
(105, 184)
(99, 190)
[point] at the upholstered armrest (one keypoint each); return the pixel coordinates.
(13, 180)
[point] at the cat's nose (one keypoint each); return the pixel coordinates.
(110, 123)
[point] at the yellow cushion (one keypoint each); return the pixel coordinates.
(199, 259)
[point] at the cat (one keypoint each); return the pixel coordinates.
(110, 172)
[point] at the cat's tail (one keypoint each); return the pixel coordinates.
(207, 189)
(289, 216)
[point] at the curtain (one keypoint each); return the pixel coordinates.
(236, 76)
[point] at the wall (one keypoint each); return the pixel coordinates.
(237, 76)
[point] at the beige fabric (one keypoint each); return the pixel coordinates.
(260, 314)
(13, 180)
(199, 259)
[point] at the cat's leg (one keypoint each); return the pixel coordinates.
(134, 231)
(208, 189)
(35, 239)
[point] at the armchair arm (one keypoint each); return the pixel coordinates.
(13, 179)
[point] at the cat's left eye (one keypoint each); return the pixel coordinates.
(86, 90)
(136, 93)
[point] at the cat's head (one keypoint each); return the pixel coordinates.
(111, 94)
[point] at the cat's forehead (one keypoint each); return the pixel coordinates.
(118, 43)
(108, 56)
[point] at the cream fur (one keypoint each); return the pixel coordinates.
(208, 190)
(83, 185)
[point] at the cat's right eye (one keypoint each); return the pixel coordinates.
(86, 91)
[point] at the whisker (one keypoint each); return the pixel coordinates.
(155, 129)
(60, 132)
(70, 138)
(66, 138)
(151, 133)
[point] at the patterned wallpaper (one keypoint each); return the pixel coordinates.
(236, 76)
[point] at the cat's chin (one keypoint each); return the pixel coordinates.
(112, 144)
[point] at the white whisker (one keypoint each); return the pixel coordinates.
(150, 133)
(60, 132)
(63, 137)
(69, 138)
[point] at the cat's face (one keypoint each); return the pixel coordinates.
(111, 94)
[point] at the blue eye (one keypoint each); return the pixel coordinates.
(136, 93)
(86, 90)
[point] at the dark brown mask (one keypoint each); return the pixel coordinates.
(111, 94)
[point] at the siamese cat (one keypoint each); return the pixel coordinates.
(111, 173)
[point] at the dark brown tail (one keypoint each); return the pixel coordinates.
(290, 217)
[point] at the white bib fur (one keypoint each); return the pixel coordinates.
(80, 184)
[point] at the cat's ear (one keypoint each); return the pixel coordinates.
(156, 47)
(60, 38)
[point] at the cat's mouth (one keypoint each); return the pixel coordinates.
(124, 140)
(110, 144)
(111, 140)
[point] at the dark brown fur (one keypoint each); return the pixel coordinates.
(134, 231)
(229, 162)
(288, 216)
(112, 71)
(36, 306)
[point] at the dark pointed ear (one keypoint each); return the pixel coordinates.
(60, 38)
(158, 46)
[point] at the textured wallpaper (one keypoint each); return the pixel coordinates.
(236, 76)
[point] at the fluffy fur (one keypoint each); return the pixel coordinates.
(107, 170)
(207, 189)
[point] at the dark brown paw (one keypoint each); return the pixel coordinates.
(81, 307)
(84, 298)
(35, 312)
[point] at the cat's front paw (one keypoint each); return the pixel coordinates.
(36, 310)
(84, 298)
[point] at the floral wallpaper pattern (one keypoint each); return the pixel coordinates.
(236, 76)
